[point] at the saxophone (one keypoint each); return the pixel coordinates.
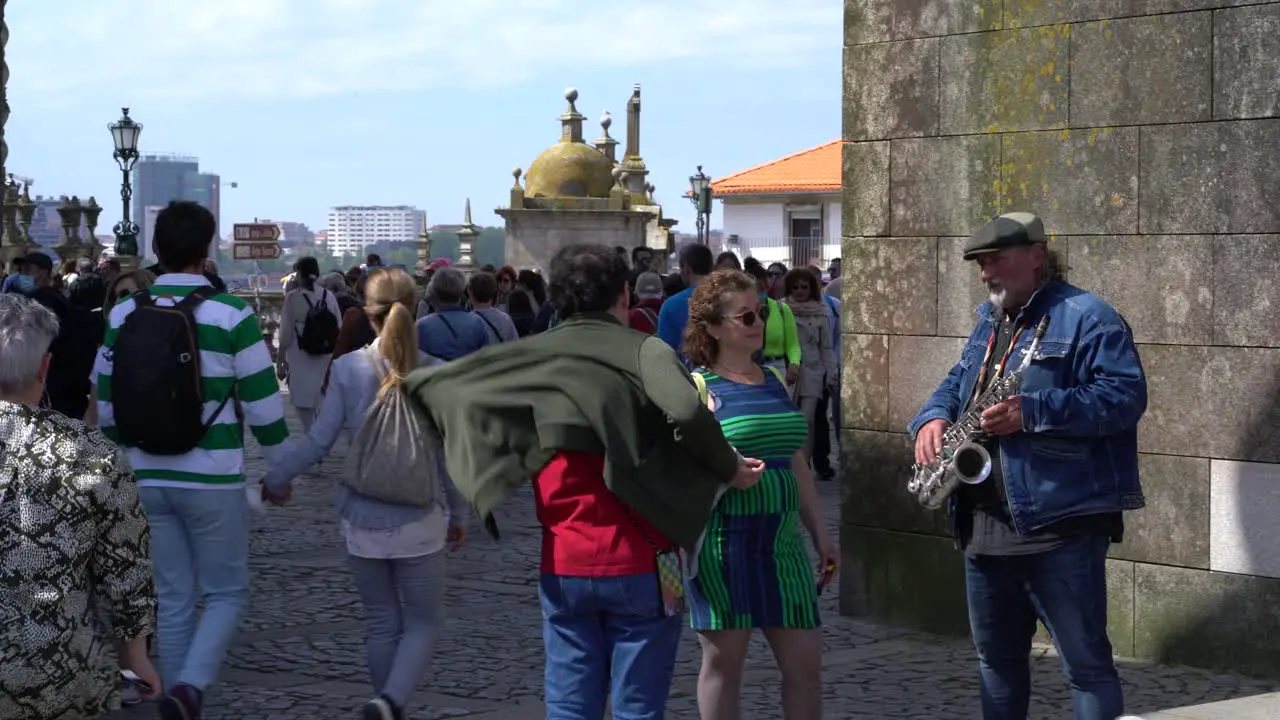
(962, 459)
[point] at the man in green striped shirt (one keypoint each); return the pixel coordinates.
(195, 502)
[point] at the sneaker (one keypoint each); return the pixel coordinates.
(380, 708)
(181, 703)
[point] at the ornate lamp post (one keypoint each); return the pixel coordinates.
(125, 132)
(700, 184)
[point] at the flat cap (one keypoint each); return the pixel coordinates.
(1017, 229)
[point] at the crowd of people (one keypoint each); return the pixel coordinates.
(673, 430)
(130, 393)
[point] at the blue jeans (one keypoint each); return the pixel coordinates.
(200, 549)
(1065, 588)
(404, 608)
(607, 637)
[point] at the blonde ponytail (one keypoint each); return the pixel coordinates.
(388, 294)
(399, 344)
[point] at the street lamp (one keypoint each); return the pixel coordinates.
(701, 198)
(124, 133)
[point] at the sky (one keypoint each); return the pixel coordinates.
(306, 104)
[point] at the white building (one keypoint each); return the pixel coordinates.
(786, 210)
(352, 228)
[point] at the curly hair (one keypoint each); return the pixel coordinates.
(706, 308)
(586, 278)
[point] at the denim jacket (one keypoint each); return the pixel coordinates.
(1082, 396)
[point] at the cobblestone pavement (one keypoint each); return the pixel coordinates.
(300, 651)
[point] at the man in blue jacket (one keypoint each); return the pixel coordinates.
(1064, 466)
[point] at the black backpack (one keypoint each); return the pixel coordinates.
(157, 392)
(319, 328)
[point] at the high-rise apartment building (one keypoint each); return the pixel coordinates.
(159, 178)
(352, 228)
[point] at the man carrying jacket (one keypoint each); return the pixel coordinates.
(626, 465)
(1064, 466)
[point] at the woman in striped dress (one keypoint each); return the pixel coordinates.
(752, 568)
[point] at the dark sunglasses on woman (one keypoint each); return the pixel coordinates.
(748, 318)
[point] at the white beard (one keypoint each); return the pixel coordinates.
(998, 296)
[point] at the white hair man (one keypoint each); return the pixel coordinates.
(70, 529)
(451, 331)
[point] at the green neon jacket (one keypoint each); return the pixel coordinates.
(780, 338)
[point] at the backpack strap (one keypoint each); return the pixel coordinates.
(447, 324)
(700, 383)
(374, 359)
(497, 335)
(650, 315)
(776, 373)
(188, 307)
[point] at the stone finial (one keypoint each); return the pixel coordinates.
(607, 144)
(466, 239)
(571, 120)
(618, 199)
(517, 192)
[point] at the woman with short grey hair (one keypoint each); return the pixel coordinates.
(71, 529)
(451, 331)
(335, 282)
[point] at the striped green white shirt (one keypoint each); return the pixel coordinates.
(232, 355)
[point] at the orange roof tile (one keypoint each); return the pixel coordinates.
(816, 170)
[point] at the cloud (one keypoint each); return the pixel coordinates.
(286, 49)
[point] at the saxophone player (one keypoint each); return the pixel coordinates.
(1064, 467)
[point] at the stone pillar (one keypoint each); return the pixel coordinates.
(1150, 146)
(9, 247)
(424, 244)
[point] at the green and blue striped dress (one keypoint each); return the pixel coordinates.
(753, 568)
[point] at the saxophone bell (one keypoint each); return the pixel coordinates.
(971, 464)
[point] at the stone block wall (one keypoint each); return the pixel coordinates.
(1146, 133)
(534, 236)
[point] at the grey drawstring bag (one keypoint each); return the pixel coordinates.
(395, 455)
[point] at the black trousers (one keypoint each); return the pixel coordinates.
(822, 436)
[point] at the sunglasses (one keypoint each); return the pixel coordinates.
(748, 318)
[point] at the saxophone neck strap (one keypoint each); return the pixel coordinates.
(1003, 364)
(1004, 359)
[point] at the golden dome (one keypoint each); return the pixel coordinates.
(570, 169)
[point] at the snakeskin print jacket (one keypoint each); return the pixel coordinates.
(72, 538)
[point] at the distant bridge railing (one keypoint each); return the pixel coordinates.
(790, 251)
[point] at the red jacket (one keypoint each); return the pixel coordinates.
(644, 316)
(586, 530)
